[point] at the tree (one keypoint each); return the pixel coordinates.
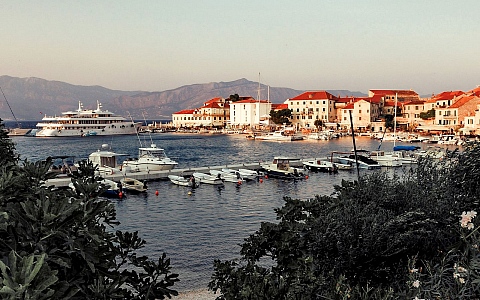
(281, 116)
(61, 243)
(360, 242)
(234, 98)
(428, 114)
(318, 123)
(389, 123)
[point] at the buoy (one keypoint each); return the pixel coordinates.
(189, 193)
(156, 193)
(306, 176)
(261, 180)
(239, 182)
(120, 195)
(266, 176)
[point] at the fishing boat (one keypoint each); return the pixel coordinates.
(207, 178)
(132, 185)
(180, 180)
(85, 122)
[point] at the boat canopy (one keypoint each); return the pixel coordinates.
(405, 148)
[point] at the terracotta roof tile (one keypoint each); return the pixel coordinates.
(314, 95)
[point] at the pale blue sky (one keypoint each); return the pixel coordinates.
(429, 46)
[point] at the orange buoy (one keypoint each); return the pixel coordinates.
(266, 176)
(261, 180)
(239, 182)
(306, 176)
(156, 193)
(120, 195)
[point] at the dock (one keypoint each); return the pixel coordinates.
(156, 175)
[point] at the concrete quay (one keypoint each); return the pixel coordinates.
(156, 175)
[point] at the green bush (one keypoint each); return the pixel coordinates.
(362, 241)
(61, 244)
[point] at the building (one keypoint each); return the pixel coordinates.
(214, 113)
(311, 106)
(249, 112)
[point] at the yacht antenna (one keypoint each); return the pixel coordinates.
(18, 125)
(258, 92)
(149, 132)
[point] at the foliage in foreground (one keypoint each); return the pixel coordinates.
(381, 237)
(60, 244)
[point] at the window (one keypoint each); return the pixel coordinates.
(360, 111)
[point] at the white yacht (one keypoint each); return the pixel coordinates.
(85, 122)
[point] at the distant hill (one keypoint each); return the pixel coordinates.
(31, 98)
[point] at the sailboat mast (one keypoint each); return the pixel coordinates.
(18, 124)
(258, 92)
(395, 122)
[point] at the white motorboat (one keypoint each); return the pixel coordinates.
(82, 122)
(149, 159)
(228, 177)
(317, 136)
(278, 136)
(106, 160)
(207, 178)
(386, 159)
(132, 185)
(319, 165)
(244, 173)
(180, 180)
(280, 167)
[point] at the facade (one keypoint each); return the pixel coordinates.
(249, 112)
(311, 106)
(364, 112)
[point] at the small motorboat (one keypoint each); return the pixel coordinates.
(244, 173)
(227, 176)
(281, 168)
(180, 180)
(132, 185)
(207, 178)
(320, 166)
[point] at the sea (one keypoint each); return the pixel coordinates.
(195, 227)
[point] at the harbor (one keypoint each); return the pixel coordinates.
(195, 226)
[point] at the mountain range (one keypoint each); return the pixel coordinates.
(31, 98)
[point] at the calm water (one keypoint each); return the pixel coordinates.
(210, 223)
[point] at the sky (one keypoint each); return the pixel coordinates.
(428, 46)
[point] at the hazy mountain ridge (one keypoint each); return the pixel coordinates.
(31, 98)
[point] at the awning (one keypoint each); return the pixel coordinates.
(434, 127)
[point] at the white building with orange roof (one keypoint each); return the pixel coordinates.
(311, 106)
(364, 110)
(453, 116)
(183, 118)
(214, 113)
(249, 112)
